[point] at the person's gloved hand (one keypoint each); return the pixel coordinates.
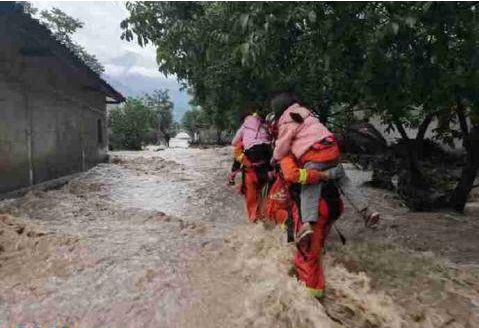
(231, 178)
(316, 176)
(336, 172)
(272, 162)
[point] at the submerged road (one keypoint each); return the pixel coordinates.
(157, 239)
(134, 223)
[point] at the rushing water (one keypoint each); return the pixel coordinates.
(159, 240)
(139, 221)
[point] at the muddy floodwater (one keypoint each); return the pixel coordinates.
(157, 239)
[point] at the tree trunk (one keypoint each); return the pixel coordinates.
(461, 192)
(323, 112)
(421, 132)
(416, 174)
(416, 146)
(159, 133)
(422, 129)
(464, 127)
(218, 136)
(402, 131)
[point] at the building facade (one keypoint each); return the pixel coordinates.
(52, 106)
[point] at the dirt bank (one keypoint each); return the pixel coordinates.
(157, 239)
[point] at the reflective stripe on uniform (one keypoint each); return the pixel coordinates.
(316, 292)
(302, 176)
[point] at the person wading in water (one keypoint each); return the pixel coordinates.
(253, 154)
(308, 157)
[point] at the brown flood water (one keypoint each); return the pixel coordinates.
(157, 239)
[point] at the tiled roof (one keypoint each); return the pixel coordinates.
(15, 8)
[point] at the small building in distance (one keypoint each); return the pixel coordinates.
(181, 140)
(52, 105)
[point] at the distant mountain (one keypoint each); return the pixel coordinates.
(134, 84)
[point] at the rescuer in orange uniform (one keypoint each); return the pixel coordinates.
(307, 261)
(283, 205)
(302, 134)
(253, 152)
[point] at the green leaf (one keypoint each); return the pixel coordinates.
(410, 21)
(427, 5)
(394, 27)
(244, 18)
(245, 47)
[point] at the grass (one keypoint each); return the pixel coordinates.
(389, 266)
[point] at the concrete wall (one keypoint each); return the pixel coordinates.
(48, 114)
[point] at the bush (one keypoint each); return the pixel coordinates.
(131, 125)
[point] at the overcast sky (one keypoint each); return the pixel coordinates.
(128, 67)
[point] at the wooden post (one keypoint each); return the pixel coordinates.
(29, 121)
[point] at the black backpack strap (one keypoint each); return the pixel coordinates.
(290, 226)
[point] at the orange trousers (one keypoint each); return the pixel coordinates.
(253, 198)
(250, 186)
(307, 261)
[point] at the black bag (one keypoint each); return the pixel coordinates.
(259, 153)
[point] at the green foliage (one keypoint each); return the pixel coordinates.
(131, 124)
(175, 128)
(142, 120)
(60, 23)
(192, 121)
(405, 62)
(28, 8)
(159, 102)
(63, 27)
(401, 61)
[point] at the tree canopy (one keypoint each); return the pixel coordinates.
(159, 102)
(63, 27)
(131, 124)
(405, 62)
(142, 120)
(390, 58)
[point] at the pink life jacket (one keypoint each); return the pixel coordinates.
(252, 132)
(296, 137)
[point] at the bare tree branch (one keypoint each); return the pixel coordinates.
(464, 126)
(421, 131)
(402, 131)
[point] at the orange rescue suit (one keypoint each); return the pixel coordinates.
(279, 201)
(251, 186)
(307, 260)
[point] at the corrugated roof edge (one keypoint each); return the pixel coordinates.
(16, 8)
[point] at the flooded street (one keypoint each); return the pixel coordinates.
(135, 225)
(157, 239)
